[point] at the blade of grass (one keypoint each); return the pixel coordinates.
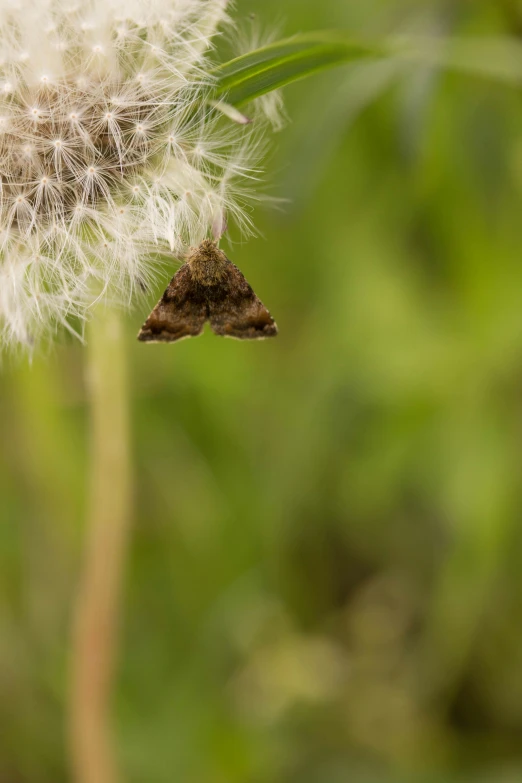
(280, 63)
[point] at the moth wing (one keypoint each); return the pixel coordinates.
(181, 311)
(234, 310)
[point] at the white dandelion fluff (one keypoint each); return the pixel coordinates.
(109, 157)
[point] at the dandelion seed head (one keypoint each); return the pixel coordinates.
(109, 155)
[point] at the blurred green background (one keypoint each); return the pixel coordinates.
(325, 576)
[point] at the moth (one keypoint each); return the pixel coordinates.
(208, 287)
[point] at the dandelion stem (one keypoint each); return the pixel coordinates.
(98, 603)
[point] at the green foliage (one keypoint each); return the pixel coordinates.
(273, 66)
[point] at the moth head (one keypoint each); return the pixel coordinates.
(207, 263)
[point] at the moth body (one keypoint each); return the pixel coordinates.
(208, 287)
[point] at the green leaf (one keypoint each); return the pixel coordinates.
(277, 64)
(273, 66)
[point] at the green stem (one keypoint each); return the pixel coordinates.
(97, 608)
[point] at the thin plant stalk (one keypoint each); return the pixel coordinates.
(97, 609)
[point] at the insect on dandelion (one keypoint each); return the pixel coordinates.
(110, 155)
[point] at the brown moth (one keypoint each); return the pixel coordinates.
(208, 287)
